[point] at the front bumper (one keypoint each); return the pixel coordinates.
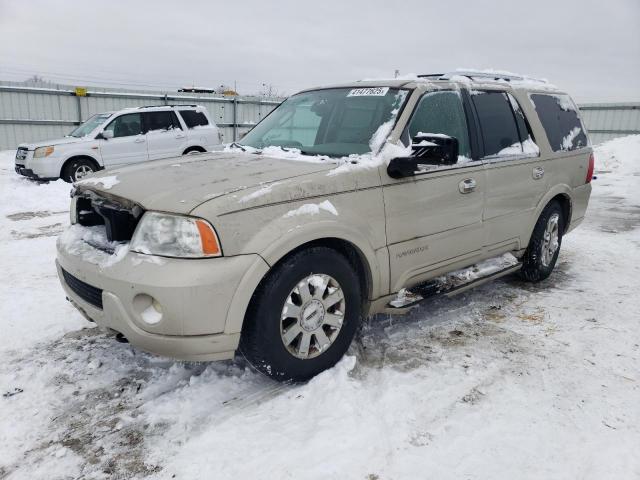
(42, 169)
(195, 297)
(27, 172)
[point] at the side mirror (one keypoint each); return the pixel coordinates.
(426, 150)
(105, 135)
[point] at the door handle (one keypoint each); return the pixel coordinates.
(180, 135)
(538, 173)
(467, 185)
(139, 140)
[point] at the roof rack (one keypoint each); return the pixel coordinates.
(479, 75)
(172, 105)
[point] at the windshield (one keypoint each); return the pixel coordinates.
(333, 122)
(90, 125)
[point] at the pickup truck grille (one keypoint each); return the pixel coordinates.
(119, 216)
(88, 293)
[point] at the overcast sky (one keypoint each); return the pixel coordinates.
(590, 48)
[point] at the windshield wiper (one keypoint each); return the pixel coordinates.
(237, 145)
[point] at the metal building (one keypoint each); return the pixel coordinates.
(29, 114)
(610, 120)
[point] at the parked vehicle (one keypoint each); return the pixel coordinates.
(112, 139)
(344, 202)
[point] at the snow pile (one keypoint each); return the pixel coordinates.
(553, 365)
(23, 195)
(107, 182)
(518, 81)
(312, 209)
(621, 153)
(528, 147)
(258, 193)
(92, 245)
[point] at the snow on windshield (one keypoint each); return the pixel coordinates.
(338, 123)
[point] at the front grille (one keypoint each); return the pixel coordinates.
(88, 293)
(120, 217)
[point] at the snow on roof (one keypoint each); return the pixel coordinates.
(464, 76)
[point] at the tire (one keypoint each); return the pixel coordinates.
(544, 246)
(193, 150)
(77, 168)
(315, 315)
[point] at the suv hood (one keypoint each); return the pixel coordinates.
(181, 184)
(54, 142)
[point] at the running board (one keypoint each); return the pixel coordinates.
(408, 299)
(479, 281)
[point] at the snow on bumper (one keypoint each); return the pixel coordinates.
(172, 307)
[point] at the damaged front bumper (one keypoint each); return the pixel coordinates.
(172, 307)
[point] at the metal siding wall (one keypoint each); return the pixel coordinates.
(607, 121)
(604, 121)
(24, 104)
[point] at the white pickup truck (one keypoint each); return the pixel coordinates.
(112, 139)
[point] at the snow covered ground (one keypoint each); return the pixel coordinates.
(510, 380)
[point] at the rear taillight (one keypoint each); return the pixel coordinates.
(590, 169)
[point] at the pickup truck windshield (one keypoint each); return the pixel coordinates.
(333, 122)
(90, 125)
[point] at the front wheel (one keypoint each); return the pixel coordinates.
(544, 246)
(303, 316)
(78, 169)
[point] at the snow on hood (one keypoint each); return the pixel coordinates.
(181, 184)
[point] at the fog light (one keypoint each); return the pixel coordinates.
(148, 308)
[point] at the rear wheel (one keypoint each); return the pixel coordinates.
(303, 316)
(77, 169)
(544, 246)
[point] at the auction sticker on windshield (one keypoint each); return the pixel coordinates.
(368, 92)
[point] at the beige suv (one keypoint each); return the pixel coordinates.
(344, 202)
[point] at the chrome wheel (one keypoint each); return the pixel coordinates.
(550, 240)
(312, 316)
(82, 171)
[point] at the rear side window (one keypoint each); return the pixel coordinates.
(193, 118)
(158, 121)
(559, 117)
(498, 124)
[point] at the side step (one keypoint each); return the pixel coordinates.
(407, 299)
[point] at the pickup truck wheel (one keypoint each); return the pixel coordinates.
(76, 169)
(544, 246)
(303, 316)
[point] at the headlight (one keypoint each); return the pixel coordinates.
(43, 152)
(175, 236)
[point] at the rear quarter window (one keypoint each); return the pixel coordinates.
(192, 118)
(560, 120)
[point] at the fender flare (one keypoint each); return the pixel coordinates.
(79, 154)
(288, 242)
(559, 189)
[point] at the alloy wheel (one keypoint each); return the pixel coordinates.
(312, 316)
(550, 240)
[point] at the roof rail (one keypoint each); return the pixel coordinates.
(172, 105)
(479, 75)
